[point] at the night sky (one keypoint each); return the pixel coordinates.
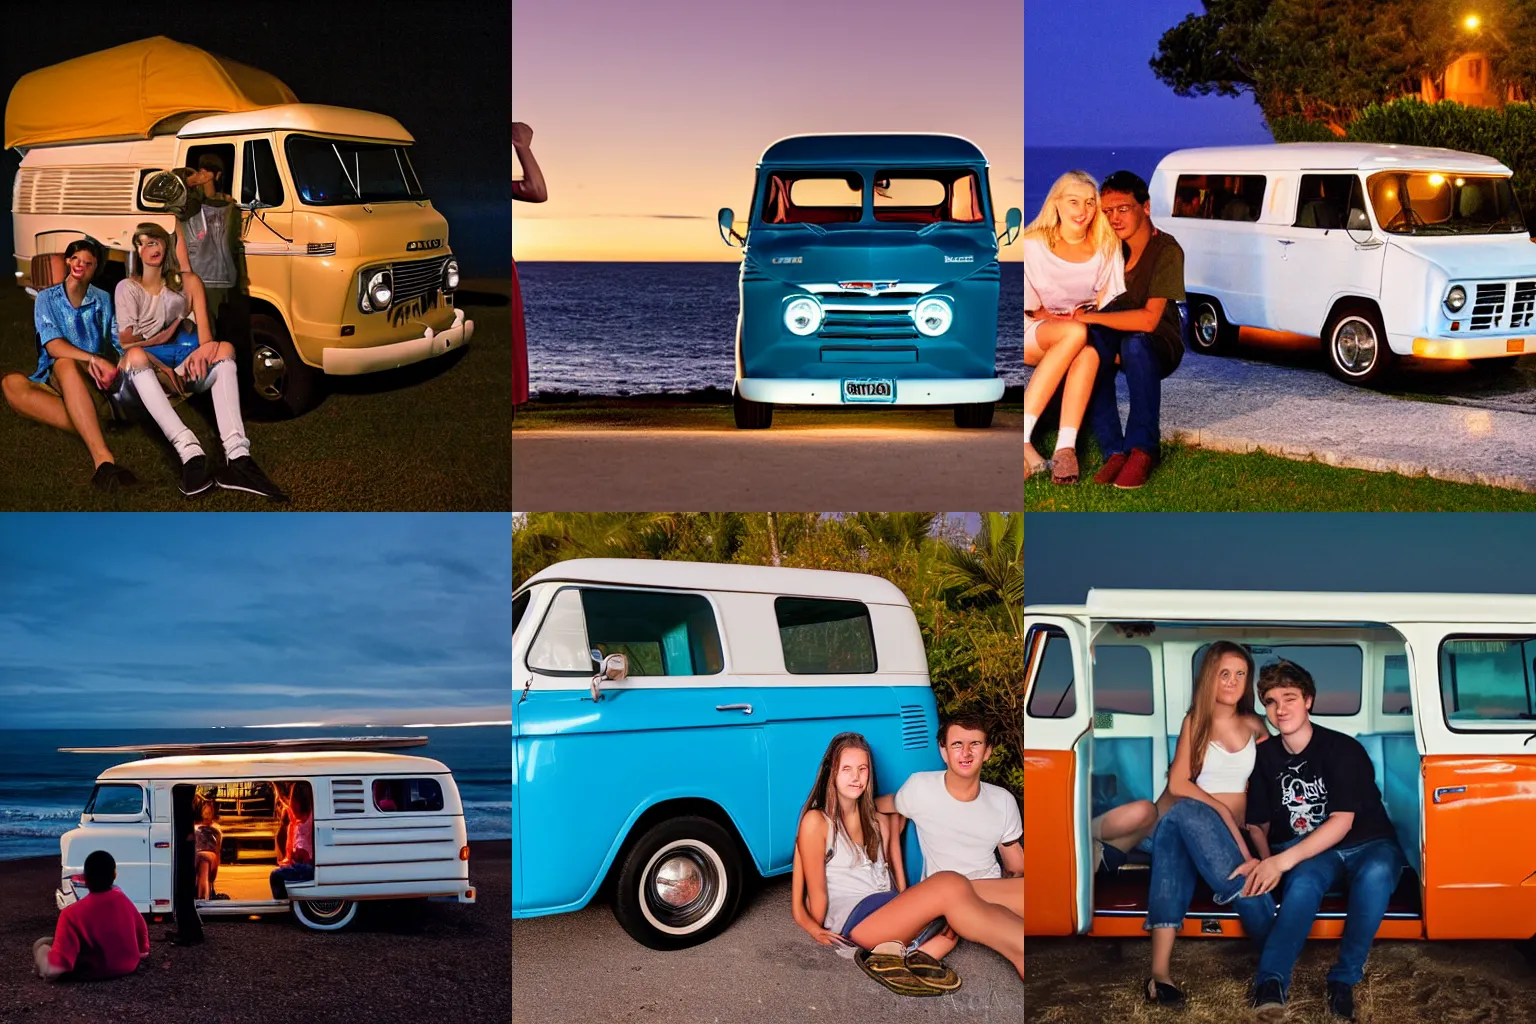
(201, 619)
(443, 70)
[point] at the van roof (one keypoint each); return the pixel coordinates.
(274, 764)
(1353, 156)
(300, 117)
(912, 149)
(757, 579)
(1297, 606)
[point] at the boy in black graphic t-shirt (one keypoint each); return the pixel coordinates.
(1317, 819)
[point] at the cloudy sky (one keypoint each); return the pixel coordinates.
(204, 619)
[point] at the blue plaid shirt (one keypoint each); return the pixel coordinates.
(89, 328)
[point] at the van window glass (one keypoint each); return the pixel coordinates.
(561, 645)
(1219, 196)
(225, 151)
(927, 197)
(661, 634)
(1050, 655)
(259, 180)
(814, 198)
(1487, 678)
(393, 796)
(1122, 680)
(520, 607)
(1329, 201)
(825, 637)
(116, 798)
(1432, 203)
(1395, 696)
(1338, 671)
(330, 172)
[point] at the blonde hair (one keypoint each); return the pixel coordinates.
(1047, 224)
(170, 270)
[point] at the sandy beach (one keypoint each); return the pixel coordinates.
(408, 963)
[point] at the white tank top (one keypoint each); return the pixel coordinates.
(851, 876)
(1226, 772)
(1060, 285)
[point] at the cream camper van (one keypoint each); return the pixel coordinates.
(349, 266)
(387, 826)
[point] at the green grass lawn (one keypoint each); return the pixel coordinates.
(691, 414)
(432, 437)
(1197, 480)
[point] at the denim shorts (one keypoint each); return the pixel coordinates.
(866, 906)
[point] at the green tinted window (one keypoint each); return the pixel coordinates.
(825, 637)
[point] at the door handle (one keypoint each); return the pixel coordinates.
(745, 709)
(1447, 790)
(1286, 241)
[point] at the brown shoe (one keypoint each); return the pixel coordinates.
(1110, 469)
(1138, 466)
(1064, 466)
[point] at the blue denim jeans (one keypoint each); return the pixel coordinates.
(1143, 378)
(1371, 870)
(280, 878)
(1192, 841)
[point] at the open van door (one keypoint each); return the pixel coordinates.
(1058, 760)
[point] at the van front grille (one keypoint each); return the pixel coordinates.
(415, 278)
(347, 796)
(1522, 312)
(99, 190)
(873, 326)
(914, 727)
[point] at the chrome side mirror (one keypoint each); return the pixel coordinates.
(726, 220)
(162, 191)
(614, 668)
(1012, 222)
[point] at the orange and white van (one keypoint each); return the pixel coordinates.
(1440, 689)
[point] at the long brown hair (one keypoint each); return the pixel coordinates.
(824, 792)
(170, 270)
(1202, 704)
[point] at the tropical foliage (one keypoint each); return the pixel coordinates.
(966, 591)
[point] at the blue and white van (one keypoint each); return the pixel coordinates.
(869, 274)
(668, 720)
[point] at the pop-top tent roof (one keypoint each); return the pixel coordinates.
(125, 92)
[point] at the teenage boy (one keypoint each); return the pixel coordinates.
(100, 936)
(1317, 820)
(1140, 328)
(76, 364)
(208, 244)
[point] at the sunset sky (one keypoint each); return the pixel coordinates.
(648, 118)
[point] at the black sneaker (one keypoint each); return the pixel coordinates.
(1269, 1000)
(194, 476)
(243, 474)
(1341, 1000)
(110, 476)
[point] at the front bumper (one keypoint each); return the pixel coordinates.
(1463, 346)
(908, 392)
(345, 362)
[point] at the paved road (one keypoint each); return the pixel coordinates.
(583, 968)
(886, 468)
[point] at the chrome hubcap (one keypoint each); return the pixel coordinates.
(1205, 326)
(678, 882)
(268, 371)
(1354, 345)
(325, 908)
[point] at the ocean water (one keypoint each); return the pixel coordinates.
(649, 328)
(1044, 164)
(44, 791)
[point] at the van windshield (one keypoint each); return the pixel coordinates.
(900, 196)
(334, 172)
(1444, 203)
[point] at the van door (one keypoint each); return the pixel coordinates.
(1312, 258)
(160, 852)
(522, 679)
(1058, 760)
(118, 818)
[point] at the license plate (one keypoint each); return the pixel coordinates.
(869, 389)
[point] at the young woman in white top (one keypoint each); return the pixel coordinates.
(1071, 260)
(846, 893)
(1202, 831)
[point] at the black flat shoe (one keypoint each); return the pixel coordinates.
(1341, 1000)
(1163, 994)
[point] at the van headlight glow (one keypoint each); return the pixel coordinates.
(932, 317)
(450, 275)
(1456, 298)
(802, 316)
(378, 289)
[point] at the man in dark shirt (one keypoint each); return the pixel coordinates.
(1141, 329)
(1316, 818)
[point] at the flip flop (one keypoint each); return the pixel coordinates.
(891, 971)
(932, 972)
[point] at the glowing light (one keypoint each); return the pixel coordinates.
(1460, 182)
(1472, 22)
(1437, 180)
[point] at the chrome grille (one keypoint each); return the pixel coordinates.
(873, 326)
(1488, 306)
(102, 190)
(1522, 312)
(415, 278)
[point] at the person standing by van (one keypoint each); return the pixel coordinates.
(100, 936)
(530, 190)
(208, 244)
(1140, 332)
(75, 369)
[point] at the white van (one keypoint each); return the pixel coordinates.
(1378, 250)
(387, 826)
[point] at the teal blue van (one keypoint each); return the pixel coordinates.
(869, 275)
(668, 720)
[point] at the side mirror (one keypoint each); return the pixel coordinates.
(614, 668)
(162, 191)
(1012, 223)
(726, 219)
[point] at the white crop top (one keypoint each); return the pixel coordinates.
(1226, 772)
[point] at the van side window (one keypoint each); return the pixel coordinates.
(1050, 655)
(561, 646)
(1395, 696)
(1338, 670)
(260, 179)
(1122, 680)
(661, 634)
(825, 637)
(1484, 678)
(520, 607)
(1329, 201)
(1219, 196)
(225, 151)
(401, 795)
(116, 798)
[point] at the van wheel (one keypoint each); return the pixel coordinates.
(752, 415)
(276, 377)
(1209, 330)
(680, 884)
(1356, 345)
(974, 415)
(325, 915)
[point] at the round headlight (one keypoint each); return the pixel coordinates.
(802, 316)
(450, 275)
(380, 289)
(932, 316)
(1456, 298)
